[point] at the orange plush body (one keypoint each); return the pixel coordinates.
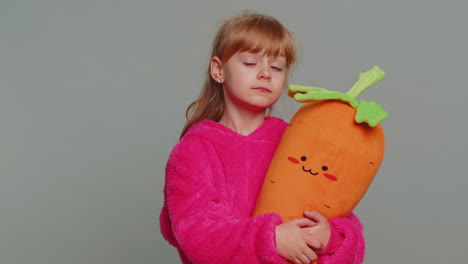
(325, 162)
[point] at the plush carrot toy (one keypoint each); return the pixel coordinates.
(329, 154)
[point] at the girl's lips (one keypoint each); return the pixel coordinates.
(262, 89)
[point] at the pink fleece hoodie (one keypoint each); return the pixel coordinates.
(213, 177)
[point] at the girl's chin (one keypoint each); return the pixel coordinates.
(256, 104)
(260, 107)
(264, 102)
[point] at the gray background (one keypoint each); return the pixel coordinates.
(93, 95)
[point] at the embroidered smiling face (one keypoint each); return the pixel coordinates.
(315, 177)
(323, 168)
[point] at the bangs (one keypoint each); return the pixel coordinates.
(255, 35)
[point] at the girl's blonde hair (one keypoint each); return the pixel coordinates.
(247, 32)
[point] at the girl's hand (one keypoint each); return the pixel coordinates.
(319, 231)
(295, 243)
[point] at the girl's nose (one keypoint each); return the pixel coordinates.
(265, 73)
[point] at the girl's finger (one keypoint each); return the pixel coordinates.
(315, 216)
(305, 222)
(302, 259)
(314, 243)
(310, 255)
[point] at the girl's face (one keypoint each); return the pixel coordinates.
(253, 81)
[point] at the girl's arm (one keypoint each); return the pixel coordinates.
(348, 231)
(202, 223)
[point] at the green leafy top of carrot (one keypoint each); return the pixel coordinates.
(366, 112)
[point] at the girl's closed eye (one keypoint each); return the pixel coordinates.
(278, 64)
(276, 67)
(250, 63)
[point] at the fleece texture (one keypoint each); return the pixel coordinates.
(213, 177)
(352, 246)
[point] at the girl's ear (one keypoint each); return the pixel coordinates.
(216, 69)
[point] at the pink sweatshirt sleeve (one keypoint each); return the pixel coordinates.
(203, 223)
(352, 247)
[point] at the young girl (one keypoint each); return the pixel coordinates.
(215, 172)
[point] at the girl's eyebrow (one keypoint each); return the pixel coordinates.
(279, 59)
(249, 54)
(256, 55)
